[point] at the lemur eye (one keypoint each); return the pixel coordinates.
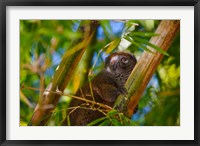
(124, 60)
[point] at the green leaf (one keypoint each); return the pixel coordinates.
(130, 25)
(112, 112)
(151, 45)
(137, 44)
(64, 114)
(105, 24)
(132, 22)
(132, 123)
(72, 35)
(115, 122)
(96, 121)
(143, 34)
(105, 123)
(111, 46)
(68, 120)
(22, 123)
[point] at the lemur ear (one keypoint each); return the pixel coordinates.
(132, 57)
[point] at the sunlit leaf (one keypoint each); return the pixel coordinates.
(131, 25)
(112, 45)
(22, 123)
(148, 24)
(71, 35)
(132, 22)
(76, 82)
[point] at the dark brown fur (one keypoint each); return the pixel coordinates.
(106, 87)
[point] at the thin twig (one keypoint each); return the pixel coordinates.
(72, 96)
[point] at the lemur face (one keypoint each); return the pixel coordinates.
(120, 65)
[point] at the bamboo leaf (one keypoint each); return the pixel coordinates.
(105, 24)
(151, 45)
(143, 34)
(115, 122)
(105, 123)
(131, 25)
(112, 45)
(22, 123)
(96, 121)
(25, 99)
(112, 112)
(68, 120)
(76, 82)
(137, 44)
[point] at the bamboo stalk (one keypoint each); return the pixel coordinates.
(146, 66)
(63, 74)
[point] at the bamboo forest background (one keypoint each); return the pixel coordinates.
(43, 43)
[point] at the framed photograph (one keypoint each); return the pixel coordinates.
(99, 72)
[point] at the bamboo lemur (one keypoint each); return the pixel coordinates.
(106, 87)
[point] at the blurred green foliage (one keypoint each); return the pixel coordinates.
(43, 42)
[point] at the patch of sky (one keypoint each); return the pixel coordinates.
(33, 47)
(75, 26)
(61, 51)
(154, 82)
(100, 33)
(141, 113)
(95, 58)
(56, 58)
(98, 62)
(117, 27)
(104, 56)
(49, 72)
(36, 84)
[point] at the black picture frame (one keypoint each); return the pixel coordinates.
(5, 3)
